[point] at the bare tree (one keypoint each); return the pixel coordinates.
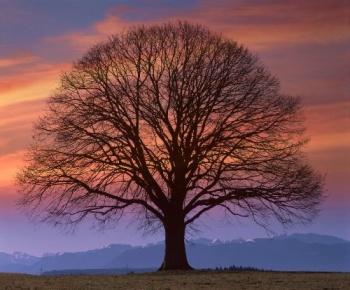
(172, 120)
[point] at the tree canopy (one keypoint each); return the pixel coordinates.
(171, 121)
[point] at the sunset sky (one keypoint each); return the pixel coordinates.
(305, 43)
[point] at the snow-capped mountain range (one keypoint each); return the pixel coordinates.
(296, 252)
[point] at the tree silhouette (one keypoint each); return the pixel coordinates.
(169, 121)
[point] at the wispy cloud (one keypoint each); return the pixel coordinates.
(17, 59)
(305, 43)
(16, 124)
(264, 23)
(30, 83)
(259, 24)
(112, 23)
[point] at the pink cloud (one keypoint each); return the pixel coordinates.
(264, 23)
(257, 24)
(17, 59)
(100, 31)
(9, 166)
(16, 125)
(30, 83)
(269, 27)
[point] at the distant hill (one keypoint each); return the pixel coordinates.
(92, 259)
(296, 252)
(17, 262)
(314, 238)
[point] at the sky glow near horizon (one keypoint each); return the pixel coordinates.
(306, 44)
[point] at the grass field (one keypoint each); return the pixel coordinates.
(180, 280)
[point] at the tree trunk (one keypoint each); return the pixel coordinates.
(175, 252)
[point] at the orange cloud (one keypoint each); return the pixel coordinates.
(255, 23)
(16, 125)
(15, 60)
(328, 126)
(329, 118)
(32, 83)
(262, 27)
(22, 98)
(99, 31)
(9, 166)
(263, 24)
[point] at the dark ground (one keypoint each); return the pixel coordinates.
(182, 280)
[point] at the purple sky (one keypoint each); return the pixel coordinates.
(305, 43)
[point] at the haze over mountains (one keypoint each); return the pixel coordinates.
(296, 252)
